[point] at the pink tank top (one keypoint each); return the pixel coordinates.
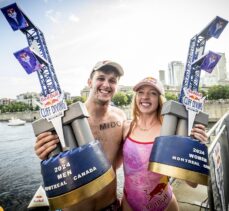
(144, 190)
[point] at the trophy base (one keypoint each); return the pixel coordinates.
(179, 173)
(75, 196)
(180, 157)
(74, 175)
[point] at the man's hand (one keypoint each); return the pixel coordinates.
(46, 142)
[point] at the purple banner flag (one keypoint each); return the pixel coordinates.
(15, 17)
(210, 61)
(28, 60)
(217, 27)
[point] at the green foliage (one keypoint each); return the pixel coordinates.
(79, 98)
(76, 99)
(120, 99)
(15, 107)
(218, 92)
(129, 95)
(37, 108)
(203, 92)
(69, 102)
(171, 96)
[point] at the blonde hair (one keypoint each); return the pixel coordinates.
(136, 112)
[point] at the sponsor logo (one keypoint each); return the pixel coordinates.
(39, 198)
(53, 105)
(193, 100)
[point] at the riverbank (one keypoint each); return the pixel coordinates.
(215, 108)
(28, 116)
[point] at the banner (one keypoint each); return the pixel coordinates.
(15, 17)
(28, 60)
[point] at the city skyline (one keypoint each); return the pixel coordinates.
(142, 36)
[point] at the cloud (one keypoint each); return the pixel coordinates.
(73, 18)
(19, 85)
(46, 1)
(54, 16)
(76, 41)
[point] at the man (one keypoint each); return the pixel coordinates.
(106, 123)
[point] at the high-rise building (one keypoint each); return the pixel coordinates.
(162, 76)
(176, 73)
(221, 68)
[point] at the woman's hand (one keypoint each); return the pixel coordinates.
(46, 142)
(199, 132)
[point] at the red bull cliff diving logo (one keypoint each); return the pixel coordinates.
(52, 109)
(193, 102)
(53, 105)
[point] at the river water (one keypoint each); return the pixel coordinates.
(20, 168)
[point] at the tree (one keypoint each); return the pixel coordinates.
(79, 98)
(218, 92)
(69, 102)
(171, 96)
(203, 92)
(37, 108)
(120, 99)
(129, 95)
(15, 106)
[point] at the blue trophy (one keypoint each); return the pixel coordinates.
(77, 168)
(175, 153)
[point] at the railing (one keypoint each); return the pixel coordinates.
(216, 127)
(218, 150)
(215, 196)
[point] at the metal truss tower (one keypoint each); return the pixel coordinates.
(196, 55)
(46, 75)
(36, 41)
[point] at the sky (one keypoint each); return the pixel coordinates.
(143, 36)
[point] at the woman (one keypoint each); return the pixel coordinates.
(145, 190)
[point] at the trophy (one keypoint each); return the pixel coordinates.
(77, 168)
(175, 152)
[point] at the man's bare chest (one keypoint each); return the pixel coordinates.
(104, 130)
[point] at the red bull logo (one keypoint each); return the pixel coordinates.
(50, 99)
(10, 11)
(194, 95)
(158, 190)
(50, 102)
(39, 198)
(23, 55)
(150, 80)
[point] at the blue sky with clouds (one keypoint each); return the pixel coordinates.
(143, 36)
